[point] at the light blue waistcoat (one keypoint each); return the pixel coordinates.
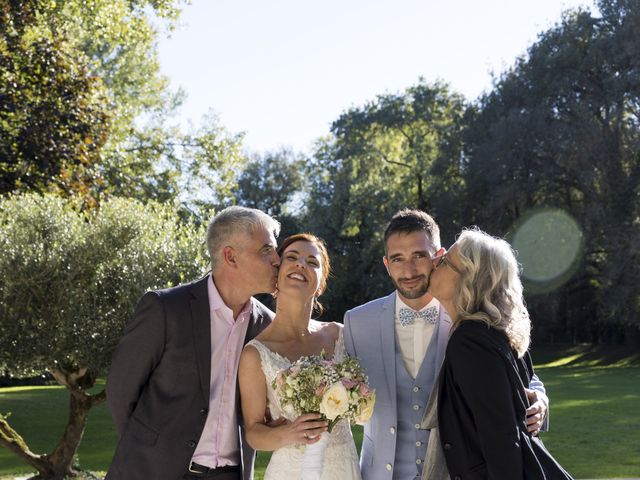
(412, 396)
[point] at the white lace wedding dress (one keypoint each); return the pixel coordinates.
(340, 457)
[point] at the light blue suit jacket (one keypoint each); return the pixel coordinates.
(369, 335)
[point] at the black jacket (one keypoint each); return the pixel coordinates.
(482, 410)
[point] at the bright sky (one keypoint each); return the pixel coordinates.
(282, 70)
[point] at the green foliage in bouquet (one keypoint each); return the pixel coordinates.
(336, 390)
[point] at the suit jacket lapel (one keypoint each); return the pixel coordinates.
(444, 328)
(201, 322)
(257, 323)
(388, 345)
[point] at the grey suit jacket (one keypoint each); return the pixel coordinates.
(158, 384)
(369, 334)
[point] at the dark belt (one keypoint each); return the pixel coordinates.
(197, 468)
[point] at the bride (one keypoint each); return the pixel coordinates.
(304, 269)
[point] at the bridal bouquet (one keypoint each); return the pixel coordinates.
(336, 390)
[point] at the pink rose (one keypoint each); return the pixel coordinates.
(348, 383)
(320, 389)
(364, 389)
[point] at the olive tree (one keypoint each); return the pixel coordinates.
(69, 279)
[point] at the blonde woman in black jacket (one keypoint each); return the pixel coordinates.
(481, 400)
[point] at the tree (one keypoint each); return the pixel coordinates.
(401, 150)
(118, 40)
(561, 128)
(53, 117)
(76, 79)
(414, 136)
(274, 184)
(69, 280)
(85, 110)
(212, 160)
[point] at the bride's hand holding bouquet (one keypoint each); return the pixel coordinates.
(337, 390)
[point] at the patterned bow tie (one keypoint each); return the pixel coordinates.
(407, 316)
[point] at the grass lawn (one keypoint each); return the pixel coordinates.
(595, 416)
(595, 409)
(40, 414)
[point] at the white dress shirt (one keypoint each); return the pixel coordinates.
(413, 339)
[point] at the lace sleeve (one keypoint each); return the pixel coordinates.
(339, 350)
(269, 367)
(271, 363)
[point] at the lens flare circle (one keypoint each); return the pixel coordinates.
(549, 243)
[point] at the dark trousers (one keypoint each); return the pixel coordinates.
(217, 476)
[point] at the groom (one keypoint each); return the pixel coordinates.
(401, 340)
(172, 387)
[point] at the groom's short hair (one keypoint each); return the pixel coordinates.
(408, 221)
(232, 221)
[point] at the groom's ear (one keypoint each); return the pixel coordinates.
(385, 260)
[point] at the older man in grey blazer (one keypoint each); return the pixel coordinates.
(401, 340)
(172, 386)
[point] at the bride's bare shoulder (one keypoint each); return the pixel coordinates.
(330, 328)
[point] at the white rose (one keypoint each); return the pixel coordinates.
(366, 410)
(335, 401)
(289, 412)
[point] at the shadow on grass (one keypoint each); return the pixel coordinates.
(586, 355)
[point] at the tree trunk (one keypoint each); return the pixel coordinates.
(11, 440)
(58, 464)
(61, 459)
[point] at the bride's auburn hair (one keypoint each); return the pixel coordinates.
(324, 254)
(490, 289)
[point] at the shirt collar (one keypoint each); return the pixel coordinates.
(217, 304)
(400, 304)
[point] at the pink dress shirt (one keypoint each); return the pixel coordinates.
(219, 443)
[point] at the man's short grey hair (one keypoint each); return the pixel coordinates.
(232, 221)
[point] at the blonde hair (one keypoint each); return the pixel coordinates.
(490, 289)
